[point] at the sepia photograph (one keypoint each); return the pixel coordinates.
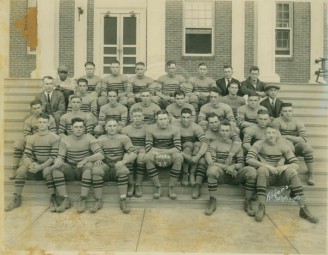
(163, 127)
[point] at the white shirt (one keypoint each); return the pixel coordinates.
(50, 94)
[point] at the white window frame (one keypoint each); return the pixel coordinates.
(290, 29)
(185, 30)
(31, 3)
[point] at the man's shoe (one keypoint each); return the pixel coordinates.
(311, 180)
(305, 214)
(53, 203)
(260, 212)
(196, 191)
(158, 192)
(192, 180)
(65, 204)
(184, 181)
(16, 202)
(248, 208)
(130, 190)
(123, 205)
(211, 206)
(82, 206)
(172, 194)
(97, 206)
(138, 191)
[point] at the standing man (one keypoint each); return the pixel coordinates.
(119, 152)
(53, 101)
(253, 83)
(40, 150)
(64, 83)
(224, 82)
(293, 130)
(170, 83)
(180, 103)
(264, 156)
(94, 81)
(163, 138)
(272, 103)
(75, 161)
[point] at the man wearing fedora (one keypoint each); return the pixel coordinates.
(272, 103)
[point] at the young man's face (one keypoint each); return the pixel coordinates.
(36, 109)
(233, 89)
(48, 85)
(163, 120)
(76, 104)
(78, 129)
(253, 101)
(179, 100)
(186, 119)
(112, 97)
(227, 73)
(263, 120)
(111, 127)
(83, 87)
(145, 97)
(214, 124)
(214, 98)
(140, 70)
(43, 124)
(171, 69)
(62, 75)
(272, 93)
(89, 70)
(202, 71)
(225, 131)
(287, 112)
(271, 134)
(137, 118)
(254, 75)
(115, 68)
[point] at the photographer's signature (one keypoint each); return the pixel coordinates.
(276, 195)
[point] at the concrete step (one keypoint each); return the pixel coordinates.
(302, 86)
(22, 82)
(9, 90)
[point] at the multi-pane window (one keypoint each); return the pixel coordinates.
(284, 28)
(198, 27)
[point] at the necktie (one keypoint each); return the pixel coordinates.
(228, 80)
(48, 97)
(272, 104)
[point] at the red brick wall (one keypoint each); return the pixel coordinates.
(187, 66)
(21, 64)
(90, 30)
(297, 68)
(66, 35)
(249, 37)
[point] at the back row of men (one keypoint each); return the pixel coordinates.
(194, 152)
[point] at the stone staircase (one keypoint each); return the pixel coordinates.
(310, 103)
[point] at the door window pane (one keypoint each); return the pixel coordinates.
(129, 51)
(129, 30)
(129, 70)
(110, 30)
(110, 50)
(129, 60)
(109, 60)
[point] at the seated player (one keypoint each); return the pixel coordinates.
(201, 86)
(232, 99)
(163, 138)
(293, 131)
(193, 143)
(169, 83)
(76, 159)
(111, 110)
(119, 152)
(65, 127)
(89, 100)
(114, 81)
(272, 103)
(137, 133)
(40, 150)
(179, 103)
(138, 83)
(149, 109)
(264, 156)
(234, 173)
(224, 111)
(253, 84)
(247, 114)
(94, 81)
(30, 128)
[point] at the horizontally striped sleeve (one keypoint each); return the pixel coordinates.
(177, 139)
(52, 125)
(124, 116)
(248, 135)
(229, 114)
(149, 139)
(240, 116)
(254, 151)
(240, 157)
(289, 155)
(128, 146)
(212, 150)
(62, 149)
(88, 124)
(62, 125)
(301, 132)
(104, 85)
(29, 146)
(27, 129)
(98, 87)
(94, 145)
(102, 113)
(54, 148)
(199, 132)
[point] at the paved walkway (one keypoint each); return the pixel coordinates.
(35, 230)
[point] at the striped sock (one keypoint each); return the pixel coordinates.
(152, 172)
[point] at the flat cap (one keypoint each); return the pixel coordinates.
(269, 86)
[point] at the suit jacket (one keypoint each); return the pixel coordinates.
(221, 84)
(277, 107)
(247, 86)
(57, 103)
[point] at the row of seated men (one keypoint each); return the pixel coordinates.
(192, 158)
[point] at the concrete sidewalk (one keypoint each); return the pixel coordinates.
(33, 229)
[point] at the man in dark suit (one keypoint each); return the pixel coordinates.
(253, 83)
(272, 103)
(223, 82)
(53, 101)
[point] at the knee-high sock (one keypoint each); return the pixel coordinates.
(261, 188)
(141, 169)
(122, 185)
(50, 184)
(212, 186)
(86, 183)
(59, 181)
(97, 184)
(200, 174)
(19, 184)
